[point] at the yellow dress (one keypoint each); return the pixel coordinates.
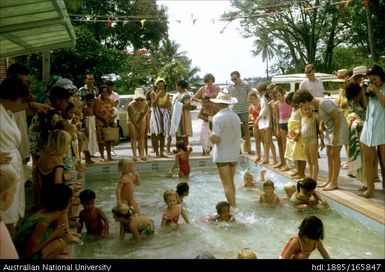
(295, 149)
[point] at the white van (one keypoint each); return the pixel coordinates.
(122, 121)
(291, 82)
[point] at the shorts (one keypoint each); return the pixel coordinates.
(283, 126)
(149, 230)
(221, 164)
(244, 116)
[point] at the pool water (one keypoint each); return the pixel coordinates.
(263, 229)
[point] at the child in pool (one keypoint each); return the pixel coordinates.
(268, 196)
(170, 216)
(7, 195)
(125, 188)
(223, 213)
(246, 253)
(310, 236)
(182, 189)
(132, 222)
(248, 180)
(303, 194)
(97, 223)
(182, 159)
(39, 237)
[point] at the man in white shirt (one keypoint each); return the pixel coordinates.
(311, 83)
(226, 136)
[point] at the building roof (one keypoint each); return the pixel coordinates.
(28, 26)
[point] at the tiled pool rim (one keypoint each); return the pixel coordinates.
(207, 162)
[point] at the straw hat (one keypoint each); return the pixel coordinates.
(122, 208)
(360, 70)
(341, 75)
(139, 94)
(224, 98)
(159, 79)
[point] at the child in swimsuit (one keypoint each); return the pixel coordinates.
(132, 222)
(223, 213)
(182, 159)
(248, 180)
(182, 189)
(303, 195)
(171, 214)
(127, 181)
(309, 238)
(268, 196)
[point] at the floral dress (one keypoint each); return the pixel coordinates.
(185, 124)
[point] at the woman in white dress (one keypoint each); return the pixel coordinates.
(11, 92)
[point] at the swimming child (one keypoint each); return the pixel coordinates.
(7, 195)
(97, 223)
(132, 222)
(170, 216)
(310, 236)
(182, 159)
(39, 237)
(223, 213)
(182, 189)
(246, 253)
(268, 196)
(303, 194)
(248, 180)
(125, 188)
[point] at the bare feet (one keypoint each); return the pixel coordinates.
(143, 158)
(330, 187)
(134, 158)
(284, 169)
(279, 165)
(292, 174)
(367, 194)
(163, 156)
(323, 184)
(298, 177)
(265, 161)
(362, 188)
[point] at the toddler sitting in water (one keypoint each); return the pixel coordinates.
(223, 213)
(303, 193)
(248, 180)
(171, 214)
(132, 222)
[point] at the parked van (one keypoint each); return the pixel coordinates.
(291, 82)
(122, 121)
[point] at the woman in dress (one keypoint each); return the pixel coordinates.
(160, 116)
(210, 90)
(12, 90)
(104, 118)
(137, 113)
(185, 125)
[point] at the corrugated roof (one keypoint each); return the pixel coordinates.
(28, 26)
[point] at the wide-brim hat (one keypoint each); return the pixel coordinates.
(139, 94)
(359, 71)
(224, 98)
(341, 75)
(65, 83)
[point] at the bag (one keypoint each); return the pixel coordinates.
(111, 134)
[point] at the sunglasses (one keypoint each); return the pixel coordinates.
(308, 72)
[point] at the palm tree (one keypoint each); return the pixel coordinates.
(264, 45)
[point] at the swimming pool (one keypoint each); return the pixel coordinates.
(263, 229)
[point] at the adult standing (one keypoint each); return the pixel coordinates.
(337, 132)
(137, 113)
(311, 83)
(12, 91)
(160, 116)
(225, 135)
(210, 90)
(104, 118)
(185, 125)
(372, 136)
(240, 91)
(89, 87)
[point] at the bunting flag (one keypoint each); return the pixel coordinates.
(142, 22)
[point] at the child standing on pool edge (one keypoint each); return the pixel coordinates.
(310, 236)
(170, 216)
(125, 188)
(182, 159)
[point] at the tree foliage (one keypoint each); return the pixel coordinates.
(310, 31)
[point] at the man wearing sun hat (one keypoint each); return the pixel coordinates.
(226, 137)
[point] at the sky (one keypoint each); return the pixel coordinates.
(196, 27)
